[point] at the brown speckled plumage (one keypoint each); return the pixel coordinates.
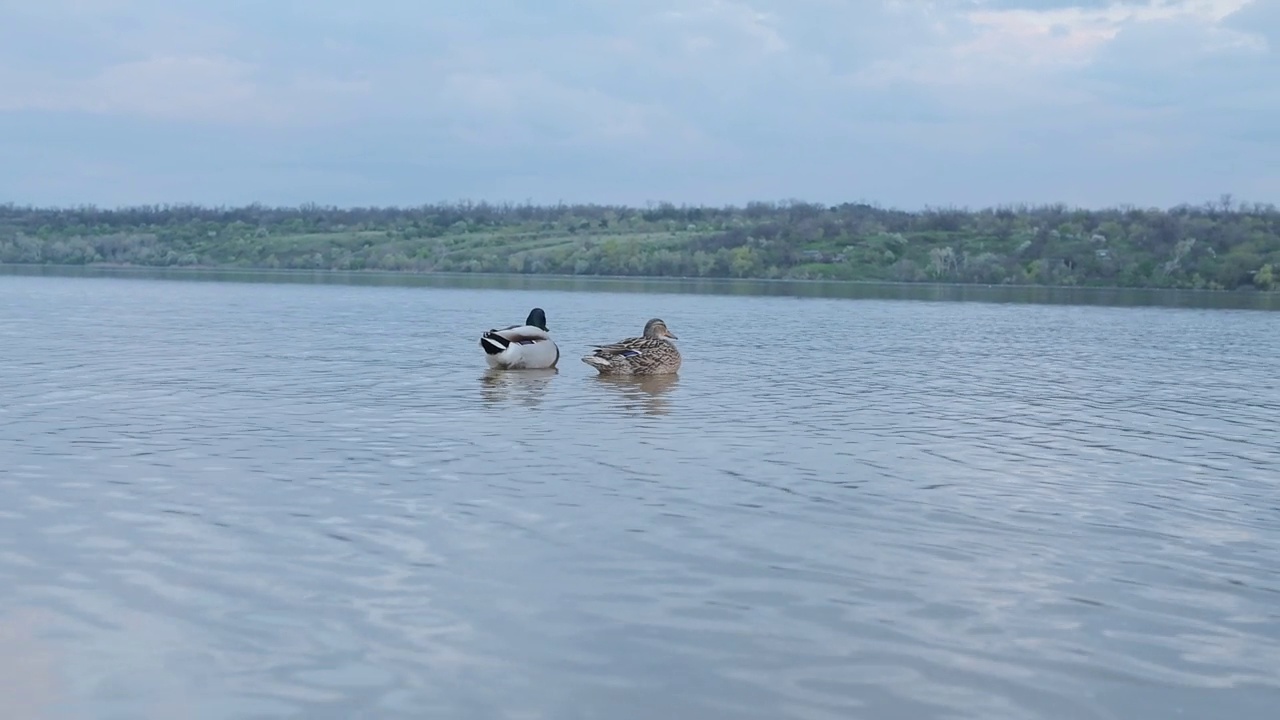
(651, 354)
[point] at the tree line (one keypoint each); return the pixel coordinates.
(1217, 245)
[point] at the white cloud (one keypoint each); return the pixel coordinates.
(976, 44)
(202, 89)
(1069, 35)
(684, 99)
(710, 22)
(524, 108)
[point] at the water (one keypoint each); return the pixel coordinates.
(290, 500)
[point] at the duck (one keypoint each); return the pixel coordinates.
(521, 347)
(651, 354)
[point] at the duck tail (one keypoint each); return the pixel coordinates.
(493, 343)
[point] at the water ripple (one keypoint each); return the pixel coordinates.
(282, 501)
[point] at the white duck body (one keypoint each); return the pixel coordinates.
(521, 347)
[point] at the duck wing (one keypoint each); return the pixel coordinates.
(521, 333)
(627, 348)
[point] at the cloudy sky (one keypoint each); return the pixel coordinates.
(899, 102)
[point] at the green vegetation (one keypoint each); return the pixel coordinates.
(1213, 246)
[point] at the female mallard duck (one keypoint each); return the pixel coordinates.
(521, 347)
(652, 354)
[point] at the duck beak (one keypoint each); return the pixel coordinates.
(672, 335)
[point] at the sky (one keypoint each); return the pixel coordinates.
(900, 103)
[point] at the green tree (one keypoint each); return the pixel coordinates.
(1264, 279)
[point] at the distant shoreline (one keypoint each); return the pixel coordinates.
(1210, 247)
(376, 272)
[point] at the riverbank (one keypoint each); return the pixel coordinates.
(1203, 248)
(833, 289)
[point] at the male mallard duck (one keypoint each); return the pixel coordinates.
(652, 354)
(520, 347)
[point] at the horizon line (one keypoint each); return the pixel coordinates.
(1225, 202)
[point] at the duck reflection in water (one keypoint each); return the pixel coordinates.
(646, 393)
(527, 387)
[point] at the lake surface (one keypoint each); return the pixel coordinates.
(310, 500)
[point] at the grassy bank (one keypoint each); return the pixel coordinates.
(1211, 246)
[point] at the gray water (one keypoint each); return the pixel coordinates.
(289, 500)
